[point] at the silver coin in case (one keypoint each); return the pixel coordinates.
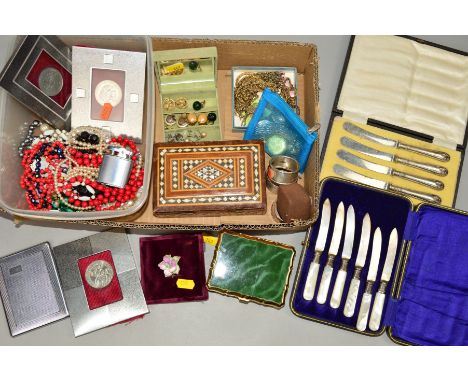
(99, 274)
(50, 81)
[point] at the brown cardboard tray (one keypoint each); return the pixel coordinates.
(240, 53)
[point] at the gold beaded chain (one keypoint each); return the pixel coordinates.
(249, 84)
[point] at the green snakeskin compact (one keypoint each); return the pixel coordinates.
(251, 269)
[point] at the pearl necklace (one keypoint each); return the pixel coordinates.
(71, 180)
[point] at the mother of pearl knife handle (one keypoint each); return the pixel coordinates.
(363, 315)
(377, 308)
(438, 170)
(439, 155)
(311, 280)
(437, 184)
(325, 282)
(416, 194)
(350, 304)
(335, 300)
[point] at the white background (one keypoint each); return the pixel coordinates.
(220, 320)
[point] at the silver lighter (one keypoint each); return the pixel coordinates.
(116, 167)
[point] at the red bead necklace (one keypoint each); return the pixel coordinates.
(57, 174)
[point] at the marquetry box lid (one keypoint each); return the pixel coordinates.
(209, 178)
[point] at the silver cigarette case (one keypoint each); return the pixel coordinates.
(30, 289)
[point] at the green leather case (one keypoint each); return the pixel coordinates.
(251, 269)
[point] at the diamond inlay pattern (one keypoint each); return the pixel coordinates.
(227, 176)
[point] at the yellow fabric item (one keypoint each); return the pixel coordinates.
(331, 158)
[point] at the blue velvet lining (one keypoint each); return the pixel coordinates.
(433, 305)
(386, 211)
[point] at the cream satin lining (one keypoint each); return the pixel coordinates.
(408, 84)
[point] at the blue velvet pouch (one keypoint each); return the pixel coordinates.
(432, 306)
(283, 131)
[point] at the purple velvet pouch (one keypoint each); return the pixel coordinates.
(181, 255)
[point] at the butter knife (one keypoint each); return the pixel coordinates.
(371, 274)
(335, 300)
(312, 275)
(377, 308)
(357, 161)
(356, 130)
(350, 304)
(348, 142)
(350, 174)
(334, 246)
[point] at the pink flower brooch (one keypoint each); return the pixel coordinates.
(170, 265)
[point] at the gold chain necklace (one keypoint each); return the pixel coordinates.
(248, 85)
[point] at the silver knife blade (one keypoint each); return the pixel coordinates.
(337, 230)
(364, 242)
(391, 253)
(350, 174)
(353, 159)
(324, 224)
(357, 161)
(348, 142)
(375, 257)
(349, 234)
(356, 130)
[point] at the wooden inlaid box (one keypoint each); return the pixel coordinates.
(209, 178)
(230, 53)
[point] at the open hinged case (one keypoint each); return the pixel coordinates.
(187, 85)
(426, 297)
(407, 90)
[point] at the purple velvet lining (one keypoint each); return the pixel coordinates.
(386, 211)
(433, 305)
(160, 289)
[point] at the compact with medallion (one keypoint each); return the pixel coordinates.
(100, 281)
(39, 75)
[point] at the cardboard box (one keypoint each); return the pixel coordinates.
(244, 53)
(236, 53)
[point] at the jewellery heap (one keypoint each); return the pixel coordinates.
(60, 171)
(248, 86)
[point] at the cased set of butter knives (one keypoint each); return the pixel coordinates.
(429, 182)
(360, 267)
